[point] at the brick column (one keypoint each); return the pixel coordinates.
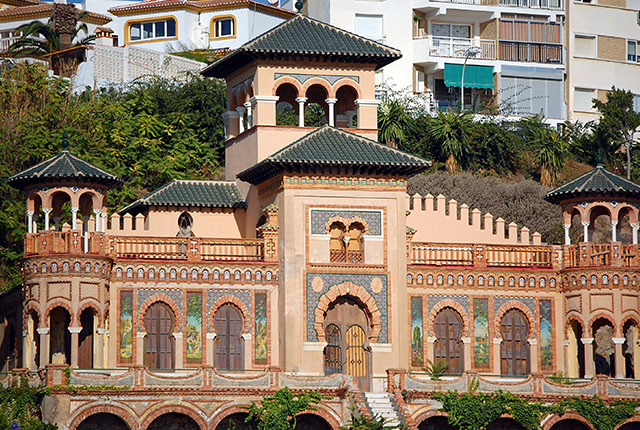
(140, 348)
(98, 362)
(496, 355)
(619, 356)
(467, 353)
(533, 353)
(75, 331)
(179, 363)
(44, 346)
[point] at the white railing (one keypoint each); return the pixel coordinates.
(6, 43)
(541, 4)
(455, 47)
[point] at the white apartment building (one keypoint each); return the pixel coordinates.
(604, 51)
(517, 59)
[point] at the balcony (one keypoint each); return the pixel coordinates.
(6, 43)
(452, 47)
(536, 4)
(530, 52)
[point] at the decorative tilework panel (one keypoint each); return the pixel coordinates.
(194, 327)
(481, 332)
(319, 218)
(324, 281)
(302, 78)
(417, 351)
(546, 339)
(243, 295)
(529, 302)
(126, 325)
(432, 301)
(174, 293)
(261, 328)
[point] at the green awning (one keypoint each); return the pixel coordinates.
(474, 76)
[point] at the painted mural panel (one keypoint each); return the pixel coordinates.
(261, 328)
(126, 325)
(194, 327)
(546, 337)
(417, 351)
(481, 333)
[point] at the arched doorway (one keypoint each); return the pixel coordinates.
(514, 349)
(229, 344)
(448, 347)
(159, 342)
(60, 337)
(603, 348)
(347, 351)
(235, 422)
(576, 350)
(505, 424)
(569, 425)
(630, 426)
(173, 421)
(101, 421)
(311, 422)
(435, 423)
(631, 350)
(85, 339)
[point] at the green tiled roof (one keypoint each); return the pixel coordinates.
(64, 166)
(332, 147)
(302, 35)
(213, 194)
(596, 181)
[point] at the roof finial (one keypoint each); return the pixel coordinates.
(599, 158)
(299, 5)
(65, 141)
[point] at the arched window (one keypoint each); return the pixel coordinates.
(85, 339)
(185, 223)
(229, 344)
(355, 243)
(337, 250)
(159, 342)
(60, 337)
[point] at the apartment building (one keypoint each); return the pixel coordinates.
(603, 47)
(514, 49)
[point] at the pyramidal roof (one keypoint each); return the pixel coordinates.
(332, 147)
(64, 166)
(217, 194)
(306, 36)
(596, 181)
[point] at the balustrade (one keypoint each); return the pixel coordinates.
(455, 47)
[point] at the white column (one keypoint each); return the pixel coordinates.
(567, 238)
(29, 221)
(301, 101)
(619, 360)
(634, 230)
(75, 332)
(44, 345)
(46, 211)
(247, 106)
(99, 359)
(74, 218)
(332, 104)
(350, 115)
(85, 232)
(241, 110)
(614, 225)
(178, 363)
(585, 227)
(98, 213)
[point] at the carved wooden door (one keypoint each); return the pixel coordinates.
(448, 346)
(333, 350)
(356, 355)
(514, 350)
(159, 342)
(85, 341)
(229, 345)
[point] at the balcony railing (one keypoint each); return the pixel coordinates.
(602, 255)
(530, 52)
(455, 47)
(541, 4)
(6, 43)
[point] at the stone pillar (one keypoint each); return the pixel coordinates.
(247, 350)
(496, 355)
(585, 229)
(241, 110)
(301, 101)
(98, 213)
(567, 238)
(74, 217)
(430, 344)
(98, 363)
(332, 116)
(619, 356)
(264, 110)
(533, 353)
(614, 224)
(567, 360)
(27, 347)
(350, 115)
(44, 346)
(178, 361)
(75, 331)
(634, 230)
(466, 341)
(367, 113)
(248, 107)
(211, 338)
(103, 216)
(589, 364)
(230, 124)
(140, 348)
(29, 221)
(46, 211)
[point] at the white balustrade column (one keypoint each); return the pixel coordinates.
(74, 217)
(98, 213)
(634, 231)
(567, 238)
(241, 110)
(332, 104)
(614, 235)
(29, 221)
(104, 221)
(248, 107)
(301, 101)
(47, 212)
(585, 227)
(350, 115)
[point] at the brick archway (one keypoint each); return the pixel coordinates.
(635, 419)
(361, 295)
(288, 80)
(626, 319)
(326, 414)
(126, 415)
(95, 308)
(573, 317)
(569, 415)
(605, 316)
(225, 412)
(172, 408)
(60, 304)
(424, 415)
(33, 307)
(448, 303)
(246, 316)
(163, 298)
(347, 82)
(514, 304)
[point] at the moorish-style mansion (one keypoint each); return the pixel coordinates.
(311, 267)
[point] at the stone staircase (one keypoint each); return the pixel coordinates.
(383, 405)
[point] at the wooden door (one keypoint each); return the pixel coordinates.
(514, 350)
(229, 345)
(448, 345)
(159, 342)
(85, 340)
(333, 350)
(356, 355)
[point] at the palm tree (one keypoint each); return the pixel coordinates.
(393, 119)
(40, 38)
(450, 130)
(551, 150)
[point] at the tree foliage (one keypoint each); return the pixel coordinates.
(278, 412)
(20, 404)
(39, 38)
(393, 120)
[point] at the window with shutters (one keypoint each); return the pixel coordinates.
(585, 46)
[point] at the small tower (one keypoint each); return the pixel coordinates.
(65, 267)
